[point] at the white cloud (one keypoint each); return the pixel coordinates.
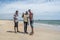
(40, 7)
(43, 10)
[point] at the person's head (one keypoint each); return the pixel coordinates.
(16, 12)
(29, 10)
(26, 12)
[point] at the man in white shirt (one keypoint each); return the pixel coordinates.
(16, 22)
(25, 19)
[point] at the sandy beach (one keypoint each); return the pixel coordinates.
(40, 32)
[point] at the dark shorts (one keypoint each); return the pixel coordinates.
(31, 23)
(16, 24)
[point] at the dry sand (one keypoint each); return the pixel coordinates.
(7, 32)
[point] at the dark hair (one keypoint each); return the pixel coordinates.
(16, 12)
(26, 12)
(29, 10)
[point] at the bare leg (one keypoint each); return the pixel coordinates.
(32, 30)
(15, 29)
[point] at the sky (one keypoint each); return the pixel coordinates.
(42, 9)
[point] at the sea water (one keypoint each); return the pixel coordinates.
(51, 22)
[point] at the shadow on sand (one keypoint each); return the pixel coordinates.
(15, 32)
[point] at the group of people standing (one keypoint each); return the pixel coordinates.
(27, 19)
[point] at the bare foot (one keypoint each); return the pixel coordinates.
(31, 33)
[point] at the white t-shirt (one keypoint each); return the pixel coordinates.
(26, 18)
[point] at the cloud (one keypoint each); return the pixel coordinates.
(46, 10)
(44, 7)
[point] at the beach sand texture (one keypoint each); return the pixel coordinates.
(40, 33)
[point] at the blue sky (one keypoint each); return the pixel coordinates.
(42, 9)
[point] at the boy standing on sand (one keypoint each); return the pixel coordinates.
(31, 21)
(16, 22)
(25, 19)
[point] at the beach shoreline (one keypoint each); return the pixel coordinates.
(41, 32)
